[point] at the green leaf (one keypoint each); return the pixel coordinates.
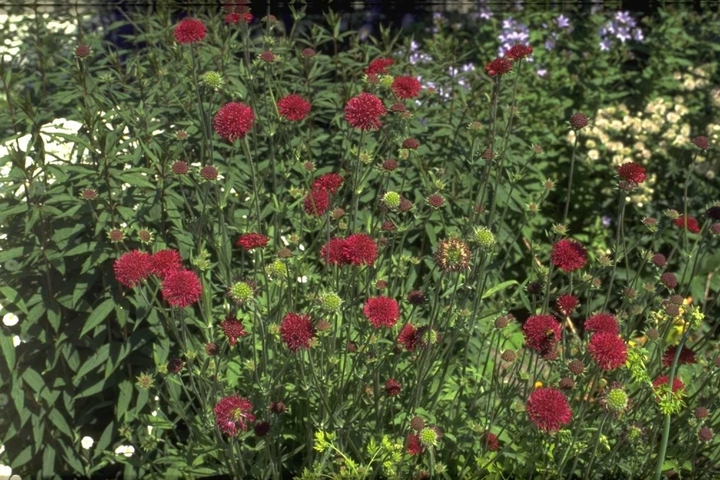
(22, 458)
(14, 297)
(34, 379)
(98, 315)
(59, 421)
(8, 350)
(93, 362)
(124, 399)
(105, 439)
(498, 287)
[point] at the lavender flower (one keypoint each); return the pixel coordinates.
(622, 27)
(416, 56)
(562, 21)
(512, 32)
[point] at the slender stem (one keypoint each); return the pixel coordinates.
(570, 179)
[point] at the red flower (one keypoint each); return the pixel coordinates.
(132, 268)
(413, 444)
(293, 108)
(408, 337)
(687, 356)
(578, 121)
(519, 51)
(317, 202)
(567, 303)
(330, 182)
(702, 142)
(232, 413)
(233, 329)
(165, 261)
(250, 241)
(181, 288)
(190, 30)
(238, 17)
(332, 252)
(233, 121)
(491, 442)
(379, 66)
(548, 409)
(499, 66)
(392, 387)
(602, 323)
(542, 332)
(568, 255)
(692, 223)
(632, 172)
(608, 350)
(364, 111)
(410, 144)
(382, 311)
(359, 249)
(669, 280)
(406, 87)
(296, 331)
(663, 380)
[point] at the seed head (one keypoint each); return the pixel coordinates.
(428, 437)
(453, 255)
(705, 434)
(330, 302)
(392, 199)
(508, 356)
(212, 80)
(417, 423)
(484, 237)
(241, 292)
(659, 260)
(208, 172)
(180, 167)
(578, 121)
(669, 280)
(701, 413)
(576, 367)
(82, 51)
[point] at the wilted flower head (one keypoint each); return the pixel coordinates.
(453, 255)
(233, 413)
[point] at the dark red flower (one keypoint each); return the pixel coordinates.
(233, 121)
(190, 30)
(132, 268)
(632, 172)
(542, 333)
(416, 297)
(548, 409)
(165, 261)
(659, 260)
(379, 65)
(232, 18)
(278, 408)
(578, 121)
(296, 331)
(333, 252)
(208, 172)
(330, 182)
(669, 280)
(408, 337)
(181, 288)
(713, 212)
(293, 108)
(569, 255)
(261, 429)
(364, 111)
(392, 387)
(519, 51)
(576, 367)
(317, 202)
(268, 57)
(410, 144)
(382, 311)
(687, 356)
(705, 434)
(702, 142)
(175, 365)
(499, 66)
(608, 350)
(308, 53)
(692, 224)
(602, 323)
(233, 329)
(491, 441)
(663, 380)
(359, 249)
(406, 87)
(566, 303)
(250, 241)
(413, 444)
(390, 164)
(233, 413)
(180, 167)
(82, 51)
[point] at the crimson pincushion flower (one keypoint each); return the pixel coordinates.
(379, 66)
(392, 387)
(491, 442)
(233, 413)
(548, 409)
(566, 303)
(687, 356)
(190, 30)
(132, 268)
(413, 444)
(233, 329)
(317, 202)
(165, 261)
(519, 51)
(568, 255)
(406, 87)
(382, 311)
(542, 332)
(359, 249)
(602, 323)
(692, 224)
(632, 172)
(233, 121)
(296, 331)
(293, 107)
(181, 288)
(499, 66)
(331, 182)
(364, 111)
(408, 337)
(250, 241)
(332, 252)
(608, 350)
(663, 380)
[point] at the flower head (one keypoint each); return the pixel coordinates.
(379, 65)
(542, 333)
(333, 252)
(406, 87)
(608, 350)
(569, 255)
(578, 121)
(317, 202)
(519, 51)
(663, 380)
(669, 279)
(132, 268)
(687, 356)
(82, 51)
(359, 249)
(498, 67)
(364, 111)
(602, 323)
(233, 329)
(632, 173)
(181, 288)
(392, 387)
(548, 409)
(702, 142)
(190, 30)
(180, 167)
(382, 311)
(233, 121)
(453, 255)
(413, 444)
(296, 331)
(615, 399)
(330, 182)
(233, 413)
(567, 303)
(293, 108)
(691, 223)
(165, 261)
(251, 241)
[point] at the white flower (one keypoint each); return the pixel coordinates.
(2, 449)
(10, 319)
(302, 279)
(150, 429)
(284, 240)
(301, 247)
(5, 472)
(126, 450)
(16, 342)
(154, 413)
(87, 443)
